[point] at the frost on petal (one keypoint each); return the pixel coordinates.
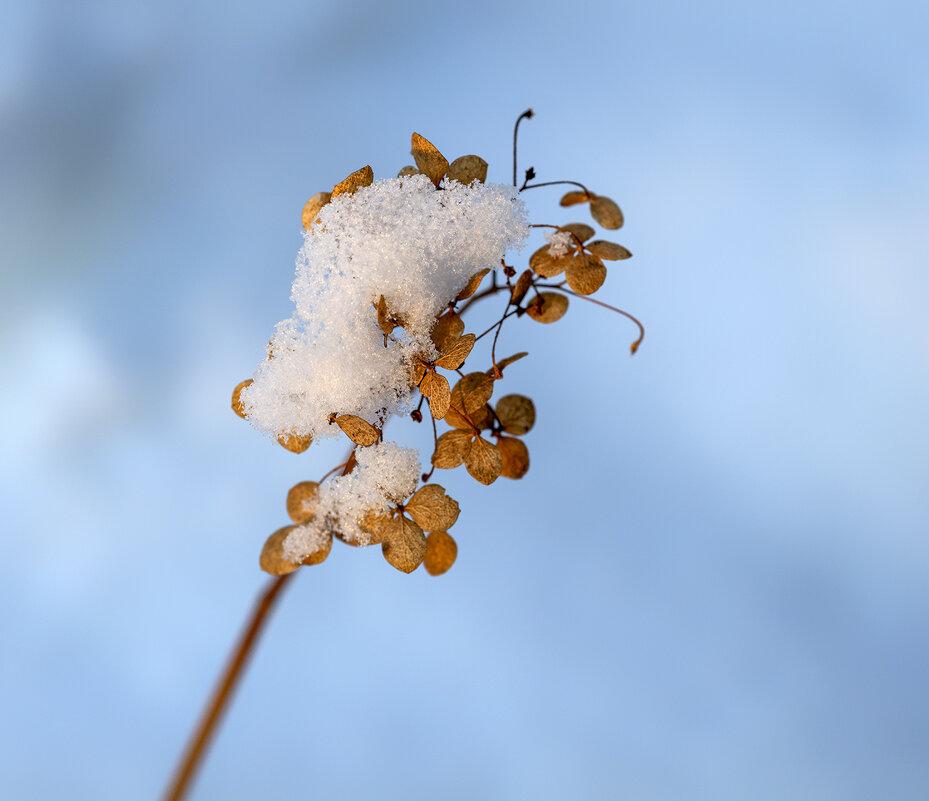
(400, 239)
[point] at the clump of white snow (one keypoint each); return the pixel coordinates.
(400, 238)
(559, 242)
(385, 474)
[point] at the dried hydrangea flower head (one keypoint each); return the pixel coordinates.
(386, 273)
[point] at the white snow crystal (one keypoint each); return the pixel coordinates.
(385, 474)
(559, 242)
(398, 237)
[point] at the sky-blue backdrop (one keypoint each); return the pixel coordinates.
(712, 584)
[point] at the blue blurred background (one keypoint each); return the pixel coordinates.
(713, 581)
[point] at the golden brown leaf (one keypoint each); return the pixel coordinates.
(516, 413)
(359, 431)
(432, 509)
(483, 461)
(441, 552)
(312, 208)
(581, 230)
(237, 406)
(548, 307)
(472, 392)
(319, 555)
(466, 169)
(606, 212)
(586, 275)
(429, 159)
(295, 443)
(301, 501)
(451, 448)
(408, 170)
(521, 287)
(608, 250)
(482, 418)
(374, 525)
(505, 363)
(404, 544)
(547, 265)
(456, 355)
(473, 283)
(383, 316)
(573, 198)
(446, 331)
(435, 387)
(515, 456)
(358, 179)
(272, 558)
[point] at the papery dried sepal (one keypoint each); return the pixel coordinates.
(608, 250)
(521, 287)
(432, 509)
(354, 182)
(473, 283)
(581, 230)
(409, 169)
(441, 552)
(483, 461)
(295, 443)
(547, 307)
(237, 406)
(272, 558)
(543, 263)
(301, 501)
(466, 169)
(451, 448)
(446, 330)
(516, 413)
(456, 355)
(404, 544)
(428, 158)
(312, 208)
(514, 457)
(573, 198)
(605, 211)
(502, 363)
(472, 392)
(358, 430)
(435, 387)
(586, 275)
(321, 553)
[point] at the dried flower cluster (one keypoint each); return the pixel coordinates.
(387, 271)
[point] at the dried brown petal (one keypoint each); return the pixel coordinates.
(435, 387)
(451, 448)
(383, 316)
(295, 443)
(472, 392)
(505, 363)
(547, 307)
(466, 169)
(237, 406)
(404, 544)
(374, 525)
(606, 212)
(272, 558)
(441, 552)
(408, 170)
(455, 356)
(547, 265)
(586, 275)
(608, 250)
(473, 283)
(429, 159)
(581, 230)
(516, 413)
(301, 501)
(515, 457)
(446, 331)
(358, 179)
(484, 461)
(313, 207)
(432, 509)
(482, 418)
(359, 431)
(573, 198)
(319, 555)
(521, 287)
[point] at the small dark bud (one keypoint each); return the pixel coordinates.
(424, 477)
(530, 173)
(508, 271)
(417, 415)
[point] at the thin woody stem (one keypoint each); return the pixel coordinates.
(207, 726)
(527, 185)
(526, 115)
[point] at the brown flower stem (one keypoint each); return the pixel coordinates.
(635, 345)
(526, 115)
(527, 185)
(207, 726)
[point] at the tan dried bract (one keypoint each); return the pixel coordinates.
(295, 443)
(354, 182)
(429, 159)
(581, 230)
(498, 371)
(472, 392)
(608, 250)
(547, 307)
(573, 198)
(320, 554)
(606, 212)
(546, 265)
(312, 208)
(451, 449)
(470, 421)
(432, 509)
(516, 413)
(441, 552)
(359, 431)
(521, 287)
(586, 274)
(237, 406)
(455, 356)
(473, 283)
(435, 387)
(514, 455)
(301, 501)
(403, 544)
(272, 558)
(446, 331)
(466, 169)
(484, 461)
(408, 170)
